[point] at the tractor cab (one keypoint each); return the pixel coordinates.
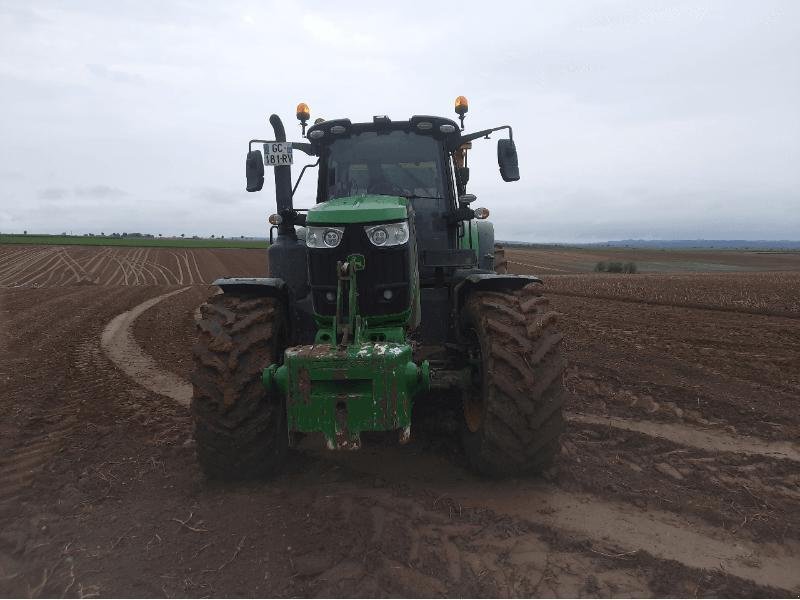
(394, 159)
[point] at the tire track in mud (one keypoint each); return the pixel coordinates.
(672, 304)
(138, 266)
(46, 267)
(521, 264)
(28, 444)
(118, 344)
(20, 466)
(703, 439)
(26, 260)
(628, 529)
(62, 266)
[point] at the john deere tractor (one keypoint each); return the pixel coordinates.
(384, 294)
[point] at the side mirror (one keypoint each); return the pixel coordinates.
(507, 160)
(254, 169)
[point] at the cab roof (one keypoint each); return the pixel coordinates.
(437, 127)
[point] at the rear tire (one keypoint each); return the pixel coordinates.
(500, 261)
(240, 431)
(513, 416)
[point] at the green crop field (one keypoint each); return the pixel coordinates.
(79, 240)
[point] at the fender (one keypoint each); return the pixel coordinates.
(271, 287)
(490, 282)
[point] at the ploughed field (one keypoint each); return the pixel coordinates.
(679, 472)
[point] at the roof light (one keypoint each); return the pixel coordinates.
(462, 105)
(303, 112)
(316, 134)
(446, 128)
(337, 129)
(481, 213)
(424, 125)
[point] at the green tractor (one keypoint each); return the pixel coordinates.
(386, 293)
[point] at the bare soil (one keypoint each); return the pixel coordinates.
(100, 492)
(554, 260)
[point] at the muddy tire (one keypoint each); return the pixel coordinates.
(240, 431)
(500, 261)
(513, 416)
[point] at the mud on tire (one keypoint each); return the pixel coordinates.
(513, 417)
(240, 432)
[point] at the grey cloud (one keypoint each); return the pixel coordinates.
(209, 194)
(11, 175)
(22, 14)
(52, 193)
(99, 192)
(113, 74)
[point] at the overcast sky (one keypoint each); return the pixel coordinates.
(632, 119)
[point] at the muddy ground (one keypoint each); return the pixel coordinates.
(678, 476)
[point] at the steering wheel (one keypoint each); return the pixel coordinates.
(387, 188)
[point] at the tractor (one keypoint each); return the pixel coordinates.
(387, 293)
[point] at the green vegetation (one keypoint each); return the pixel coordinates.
(152, 242)
(615, 267)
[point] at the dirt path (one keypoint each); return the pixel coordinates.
(704, 439)
(118, 344)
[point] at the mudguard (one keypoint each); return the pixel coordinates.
(485, 244)
(271, 287)
(490, 282)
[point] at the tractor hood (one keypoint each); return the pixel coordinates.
(359, 209)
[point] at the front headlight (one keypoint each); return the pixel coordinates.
(389, 234)
(324, 237)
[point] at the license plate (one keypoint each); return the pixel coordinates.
(277, 154)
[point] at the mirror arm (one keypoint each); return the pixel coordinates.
(484, 133)
(294, 189)
(302, 146)
(462, 213)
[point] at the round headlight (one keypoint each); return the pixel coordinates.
(379, 236)
(331, 238)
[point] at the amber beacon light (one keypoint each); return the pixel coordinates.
(462, 106)
(303, 115)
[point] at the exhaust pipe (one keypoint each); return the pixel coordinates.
(287, 255)
(283, 187)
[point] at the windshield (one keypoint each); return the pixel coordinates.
(396, 163)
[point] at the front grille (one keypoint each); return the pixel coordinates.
(385, 269)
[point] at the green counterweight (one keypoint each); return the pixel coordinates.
(344, 391)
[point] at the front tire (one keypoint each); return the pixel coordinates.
(240, 431)
(513, 414)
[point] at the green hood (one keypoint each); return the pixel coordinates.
(359, 209)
